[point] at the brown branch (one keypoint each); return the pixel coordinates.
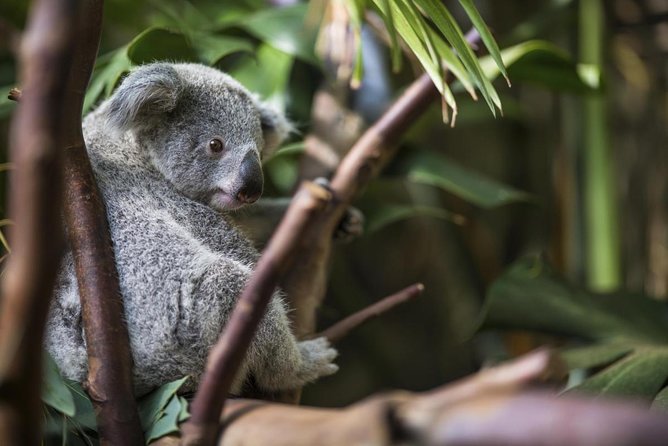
(109, 381)
(228, 353)
(14, 95)
(341, 329)
(35, 203)
(489, 408)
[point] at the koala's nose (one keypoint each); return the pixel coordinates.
(252, 181)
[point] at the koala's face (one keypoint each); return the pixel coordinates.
(203, 131)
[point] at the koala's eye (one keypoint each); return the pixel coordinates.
(216, 145)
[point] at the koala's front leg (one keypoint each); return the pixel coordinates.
(275, 358)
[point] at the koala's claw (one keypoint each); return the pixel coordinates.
(317, 356)
(351, 225)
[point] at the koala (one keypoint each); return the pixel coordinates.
(175, 149)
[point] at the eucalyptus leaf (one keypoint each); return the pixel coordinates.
(529, 296)
(161, 44)
(594, 355)
(152, 406)
(440, 171)
(55, 392)
(167, 423)
(661, 400)
(385, 215)
(642, 374)
(285, 29)
(85, 414)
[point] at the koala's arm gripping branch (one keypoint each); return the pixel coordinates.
(109, 381)
(35, 203)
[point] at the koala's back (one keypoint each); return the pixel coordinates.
(163, 243)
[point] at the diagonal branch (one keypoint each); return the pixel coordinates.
(35, 203)
(109, 381)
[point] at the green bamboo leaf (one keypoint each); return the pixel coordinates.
(642, 374)
(440, 171)
(395, 49)
(410, 36)
(594, 355)
(55, 392)
(540, 63)
(485, 35)
(380, 217)
(444, 21)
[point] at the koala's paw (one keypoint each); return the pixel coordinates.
(317, 356)
(351, 225)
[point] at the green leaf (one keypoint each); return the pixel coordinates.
(85, 414)
(387, 214)
(594, 355)
(184, 414)
(661, 400)
(152, 406)
(540, 63)
(267, 74)
(444, 21)
(161, 44)
(211, 48)
(107, 74)
(485, 35)
(287, 151)
(55, 392)
(284, 29)
(642, 375)
(529, 296)
(167, 423)
(439, 171)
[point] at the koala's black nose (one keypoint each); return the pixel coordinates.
(252, 181)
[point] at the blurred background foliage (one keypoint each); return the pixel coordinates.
(575, 170)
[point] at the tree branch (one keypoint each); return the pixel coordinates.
(109, 381)
(341, 329)
(14, 95)
(489, 408)
(35, 203)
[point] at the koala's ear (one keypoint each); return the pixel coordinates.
(144, 94)
(275, 127)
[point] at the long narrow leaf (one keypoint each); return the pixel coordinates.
(448, 26)
(485, 35)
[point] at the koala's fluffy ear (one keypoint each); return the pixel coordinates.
(146, 93)
(275, 127)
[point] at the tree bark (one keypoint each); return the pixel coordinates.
(35, 204)
(109, 381)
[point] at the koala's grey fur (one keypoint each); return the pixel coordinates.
(181, 261)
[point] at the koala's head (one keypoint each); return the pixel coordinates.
(201, 129)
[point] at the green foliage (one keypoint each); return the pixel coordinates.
(69, 406)
(627, 334)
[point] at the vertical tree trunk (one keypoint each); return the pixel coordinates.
(109, 381)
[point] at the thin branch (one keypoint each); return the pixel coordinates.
(109, 381)
(35, 204)
(14, 95)
(341, 329)
(228, 353)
